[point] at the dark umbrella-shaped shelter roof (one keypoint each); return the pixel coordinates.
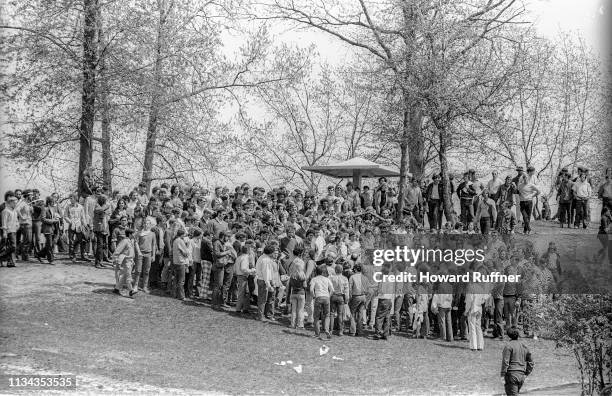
(356, 168)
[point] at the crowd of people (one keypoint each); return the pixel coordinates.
(307, 256)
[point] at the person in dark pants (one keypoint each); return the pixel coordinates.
(49, 223)
(528, 190)
(486, 212)
(433, 197)
(385, 294)
(517, 363)
(223, 269)
(100, 227)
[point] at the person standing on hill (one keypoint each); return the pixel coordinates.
(528, 190)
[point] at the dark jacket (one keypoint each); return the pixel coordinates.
(49, 223)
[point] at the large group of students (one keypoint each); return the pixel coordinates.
(307, 258)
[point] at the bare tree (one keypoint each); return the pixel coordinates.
(394, 32)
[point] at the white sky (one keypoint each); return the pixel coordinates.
(588, 18)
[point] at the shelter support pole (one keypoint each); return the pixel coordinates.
(357, 179)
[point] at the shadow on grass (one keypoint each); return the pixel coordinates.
(299, 333)
(100, 284)
(450, 345)
(103, 291)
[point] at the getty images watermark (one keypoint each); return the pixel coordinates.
(412, 257)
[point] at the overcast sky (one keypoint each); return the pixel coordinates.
(589, 18)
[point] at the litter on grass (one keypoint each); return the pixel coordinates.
(298, 368)
(337, 358)
(323, 350)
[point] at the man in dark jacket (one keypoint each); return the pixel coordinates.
(434, 199)
(517, 363)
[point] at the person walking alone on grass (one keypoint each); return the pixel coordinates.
(517, 364)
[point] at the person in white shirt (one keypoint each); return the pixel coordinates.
(266, 270)
(582, 191)
(242, 270)
(474, 298)
(494, 184)
(528, 190)
(10, 225)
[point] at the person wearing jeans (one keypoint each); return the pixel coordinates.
(339, 298)
(75, 217)
(297, 288)
(223, 269)
(242, 271)
(180, 261)
(10, 225)
(321, 288)
(100, 227)
(486, 212)
(146, 248)
(582, 191)
(441, 304)
(517, 364)
(385, 295)
(358, 286)
(49, 223)
(528, 190)
(267, 280)
(24, 214)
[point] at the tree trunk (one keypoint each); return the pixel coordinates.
(154, 109)
(447, 201)
(417, 141)
(88, 95)
(107, 160)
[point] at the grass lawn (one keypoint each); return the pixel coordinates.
(64, 318)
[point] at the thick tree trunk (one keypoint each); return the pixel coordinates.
(447, 202)
(107, 160)
(88, 95)
(154, 109)
(417, 142)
